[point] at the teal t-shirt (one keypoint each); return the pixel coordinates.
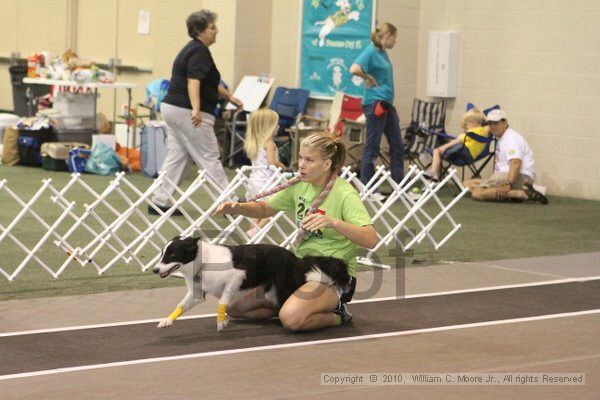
(376, 62)
(342, 202)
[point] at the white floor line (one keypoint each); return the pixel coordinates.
(96, 326)
(481, 289)
(291, 345)
(376, 299)
(523, 271)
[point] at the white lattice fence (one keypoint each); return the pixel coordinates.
(113, 226)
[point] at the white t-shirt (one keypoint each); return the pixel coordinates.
(513, 145)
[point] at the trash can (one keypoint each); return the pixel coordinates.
(20, 91)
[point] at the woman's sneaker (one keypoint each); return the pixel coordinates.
(378, 197)
(534, 195)
(342, 311)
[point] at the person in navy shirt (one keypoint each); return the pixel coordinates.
(188, 110)
(374, 66)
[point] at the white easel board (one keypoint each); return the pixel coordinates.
(252, 91)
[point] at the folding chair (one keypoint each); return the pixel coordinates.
(304, 126)
(290, 105)
(482, 160)
(347, 121)
(350, 111)
(486, 111)
(236, 126)
(252, 91)
(425, 132)
(155, 93)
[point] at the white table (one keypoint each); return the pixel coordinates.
(95, 86)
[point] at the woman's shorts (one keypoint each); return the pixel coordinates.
(344, 293)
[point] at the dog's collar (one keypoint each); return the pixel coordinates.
(197, 279)
(198, 275)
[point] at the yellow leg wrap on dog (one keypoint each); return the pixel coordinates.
(221, 314)
(175, 314)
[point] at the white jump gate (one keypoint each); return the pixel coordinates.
(114, 227)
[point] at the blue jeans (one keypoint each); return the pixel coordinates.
(388, 123)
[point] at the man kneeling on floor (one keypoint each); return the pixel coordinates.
(514, 169)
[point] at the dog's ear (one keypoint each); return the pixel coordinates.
(184, 241)
(191, 248)
(188, 241)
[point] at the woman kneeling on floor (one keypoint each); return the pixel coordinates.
(333, 222)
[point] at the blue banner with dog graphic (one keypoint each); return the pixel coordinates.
(334, 33)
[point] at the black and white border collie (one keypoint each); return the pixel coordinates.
(229, 272)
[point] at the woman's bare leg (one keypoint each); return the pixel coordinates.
(310, 307)
(254, 305)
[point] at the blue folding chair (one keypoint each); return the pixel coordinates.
(486, 111)
(290, 105)
(477, 165)
(156, 91)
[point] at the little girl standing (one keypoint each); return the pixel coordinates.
(260, 148)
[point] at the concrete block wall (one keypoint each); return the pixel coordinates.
(540, 60)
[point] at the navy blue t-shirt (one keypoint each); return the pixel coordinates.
(194, 61)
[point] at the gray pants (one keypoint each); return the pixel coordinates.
(186, 141)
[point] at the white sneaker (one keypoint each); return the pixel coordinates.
(378, 197)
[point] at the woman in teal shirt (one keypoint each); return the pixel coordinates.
(374, 66)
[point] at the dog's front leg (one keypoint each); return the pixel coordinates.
(224, 300)
(184, 305)
(221, 316)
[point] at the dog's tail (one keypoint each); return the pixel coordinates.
(334, 269)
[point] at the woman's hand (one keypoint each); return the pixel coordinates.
(357, 70)
(236, 102)
(316, 221)
(370, 81)
(229, 207)
(196, 117)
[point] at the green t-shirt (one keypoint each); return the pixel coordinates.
(343, 203)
